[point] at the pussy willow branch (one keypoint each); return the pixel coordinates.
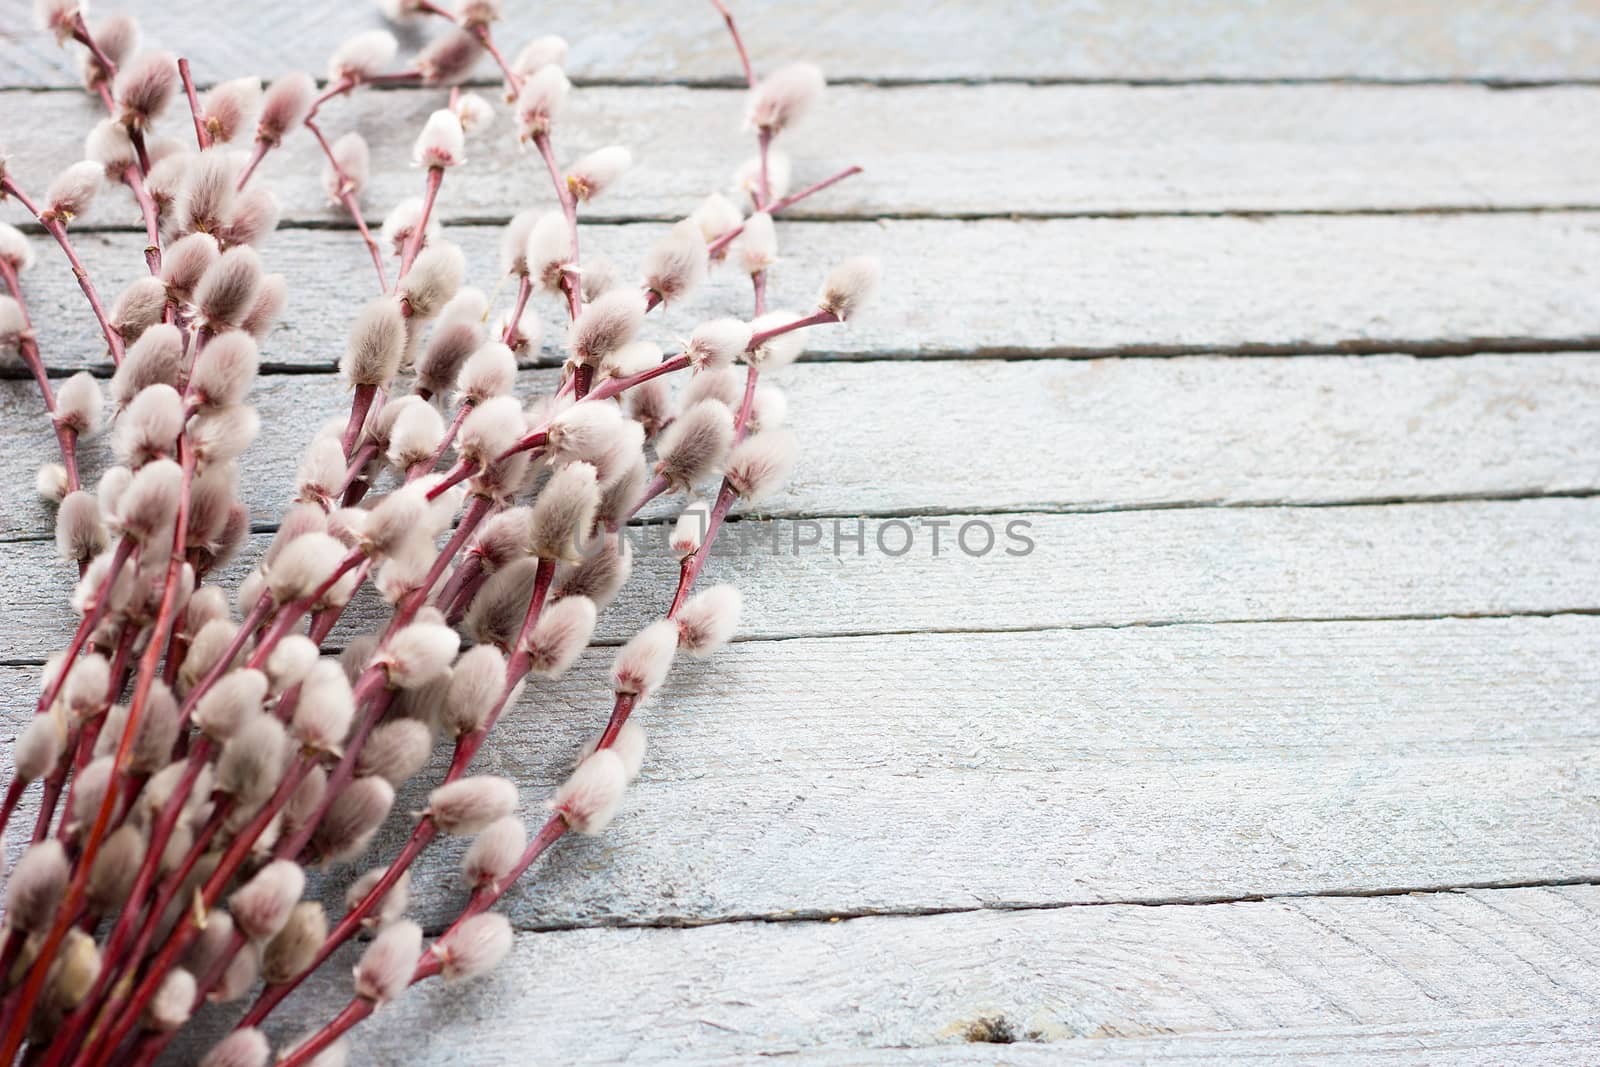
(66, 437)
(58, 230)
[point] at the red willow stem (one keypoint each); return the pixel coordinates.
(571, 281)
(134, 180)
(430, 193)
(149, 664)
(58, 230)
(738, 42)
(347, 197)
(360, 404)
(513, 333)
(81, 34)
(201, 137)
(789, 201)
(358, 1008)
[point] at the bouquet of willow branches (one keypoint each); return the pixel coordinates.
(194, 755)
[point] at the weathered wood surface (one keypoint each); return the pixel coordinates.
(1436, 284)
(900, 40)
(1470, 977)
(1135, 433)
(844, 776)
(1134, 568)
(1060, 150)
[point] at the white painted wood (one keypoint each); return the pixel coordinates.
(894, 40)
(960, 150)
(1079, 287)
(1476, 977)
(1182, 763)
(1058, 435)
(1135, 568)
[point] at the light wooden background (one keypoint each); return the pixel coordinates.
(1276, 320)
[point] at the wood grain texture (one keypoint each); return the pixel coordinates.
(1135, 568)
(1160, 40)
(939, 150)
(1455, 977)
(1107, 434)
(1446, 284)
(914, 773)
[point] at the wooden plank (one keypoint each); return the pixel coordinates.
(935, 150)
(898, 40)
(846, 776)
(1475, 977)
(1080, 287)
(1135, 568)
(1129, 433)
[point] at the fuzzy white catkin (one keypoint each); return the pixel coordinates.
(493, 427)
(588, 800)
(377, 344)
(78, 404)
(231, 108)
(475, 686)
(708, 620)
(234, 700)
(109, 145)
(514, 242)
(50, 482)
(539, 104)
(242, 1048)
(80, 532)
(642, 664)
(442, 142)
(303, 565)
(417, 432)
(756, 247)
(560, 636)
(563, 512)
(606, 325)
(145, 86)
(474, 113)
(362, 56)
(285, 106)
(490, 371)
(468, 805)
(354, 160)
(419, 653)
(252, 761)
(73, 190)
(494, 852)
(849, 287)
(396, 750)
(38, 747)
(547, 250)
(598, 171)
(262, 905)
(385, 968)
(474, 946)
(677, 263)
(435, 276)
(170, 1007)
(717, 343)
(695, 445)
(760, 464)
(14, 248)
(403, 219)
(784, 97)
(290, 662)
(326, 707)
(449, 59)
